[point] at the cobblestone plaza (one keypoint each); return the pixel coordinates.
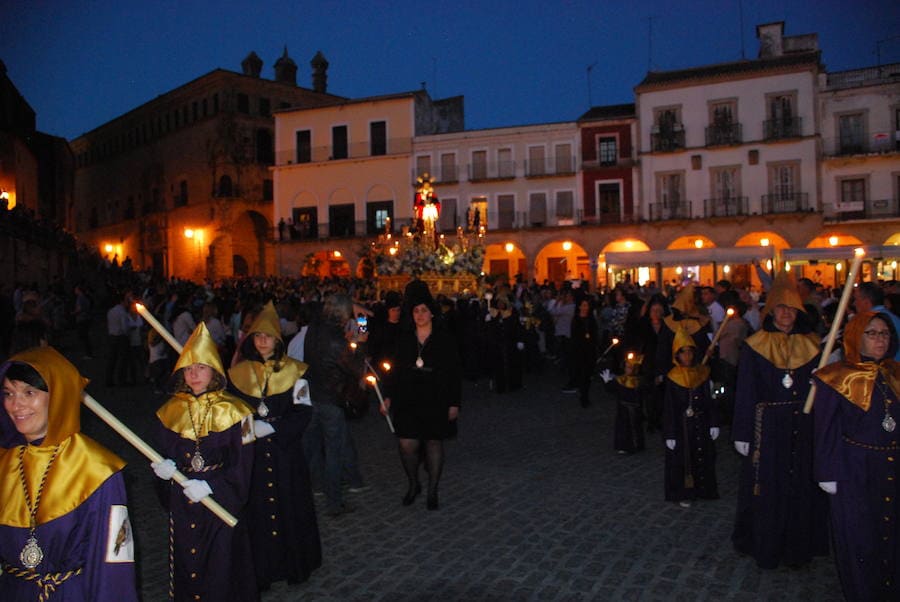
(535, 505)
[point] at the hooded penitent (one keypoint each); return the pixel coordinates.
(224, 410)
(688, 377)
(785, 351)
(783, 292)
(81, 465)
(632, 381)
(691, 320)
(854, 378)
(271, 377)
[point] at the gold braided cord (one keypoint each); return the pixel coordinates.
(46, 582)
(33, 508)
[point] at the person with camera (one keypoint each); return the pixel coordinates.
(335, 372)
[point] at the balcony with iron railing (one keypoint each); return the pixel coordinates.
(785, 202)
(878, 144)
(724, 134)
(357, 150)
(666, 211)
(557, 166)
(857, 210)
(669, 140)
(782, 128)
(726, 206)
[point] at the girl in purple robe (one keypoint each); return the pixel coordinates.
(690, 427)
(856, 457)
(64, 529)
(208, 435)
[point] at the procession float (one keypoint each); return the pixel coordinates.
(450, 264)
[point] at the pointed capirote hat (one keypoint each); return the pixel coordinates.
(682, 339)
(200, 349)
(685, 302)
(267, 322)
(783, 292)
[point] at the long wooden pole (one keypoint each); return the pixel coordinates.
(159, 328)
(718, 335)
(836, 324)
(151, 454)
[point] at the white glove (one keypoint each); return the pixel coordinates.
(164, 469)
(828, 486)
(262, 428)
(670, 443)
(606, 375)
(487, 317)
(713, 432)
(742, 447)
(196, 490)
(520, 345)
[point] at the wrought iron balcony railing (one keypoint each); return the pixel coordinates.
(666, 211)
(726, 206)
(785, 127)
(721, 134)
(663, 142)
(785, 202)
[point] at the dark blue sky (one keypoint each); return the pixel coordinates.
(81, 63)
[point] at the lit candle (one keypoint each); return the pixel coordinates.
(159, 328)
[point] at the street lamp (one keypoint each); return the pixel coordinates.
(196, 235)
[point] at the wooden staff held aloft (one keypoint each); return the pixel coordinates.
(836, 324)
(151, 454)
(145, 449)
(712, 345)
(159, 328)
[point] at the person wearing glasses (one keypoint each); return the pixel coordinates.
(781, 514)
(857, 455)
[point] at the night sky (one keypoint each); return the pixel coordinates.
(81, 63)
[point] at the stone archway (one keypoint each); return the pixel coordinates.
(249, 241)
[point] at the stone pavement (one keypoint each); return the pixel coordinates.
(535, 505)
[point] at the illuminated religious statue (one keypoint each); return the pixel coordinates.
(427, 209)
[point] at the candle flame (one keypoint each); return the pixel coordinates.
(370, 379)
(730, 312)
(615, 341)
(386, 366)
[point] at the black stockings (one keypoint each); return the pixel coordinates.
(411, 456)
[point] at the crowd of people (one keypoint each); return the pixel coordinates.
(255, 407)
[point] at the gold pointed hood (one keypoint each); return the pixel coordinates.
(267, 322)
(783, 292)
(200, 349)
(685, 302)
(681, 339)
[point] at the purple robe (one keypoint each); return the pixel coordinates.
(781, 512)
(79, 539)
(854, 450)
(211, 559)
(281, 512)
(690, 467)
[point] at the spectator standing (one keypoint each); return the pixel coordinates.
(117, 329)
(83, 321)
(334, 370)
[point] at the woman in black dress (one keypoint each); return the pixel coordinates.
(424, 391)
